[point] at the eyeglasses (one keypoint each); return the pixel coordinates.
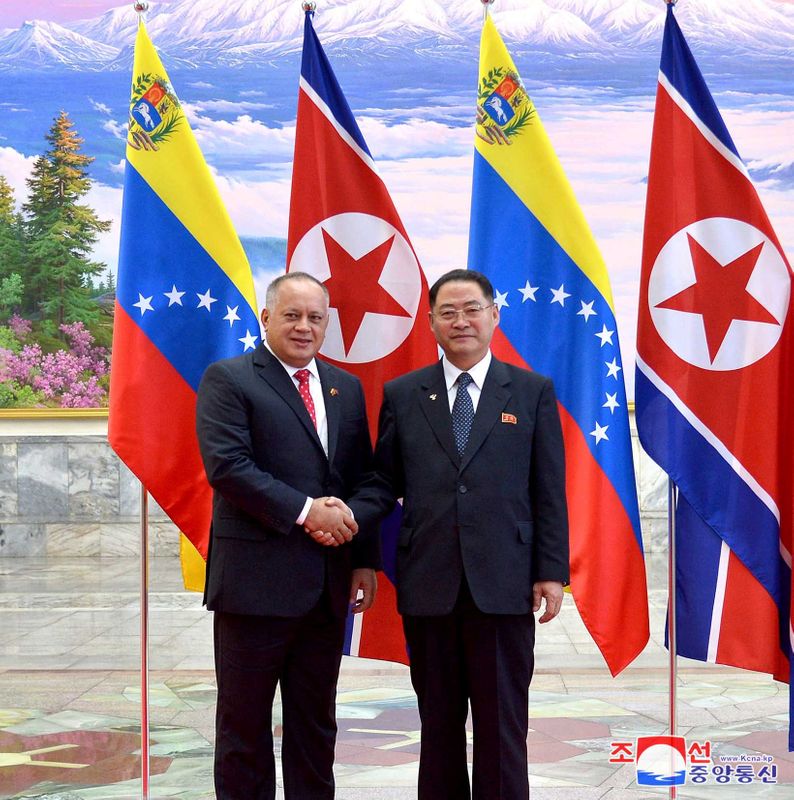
(470, 313)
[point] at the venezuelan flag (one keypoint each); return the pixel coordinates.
(184, 298)
(530, 237)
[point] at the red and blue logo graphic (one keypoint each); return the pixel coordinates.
(661, 761)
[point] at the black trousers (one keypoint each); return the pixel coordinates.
(486, 660)
(252, 655)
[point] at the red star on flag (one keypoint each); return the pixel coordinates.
(354, 286)
(720, 294)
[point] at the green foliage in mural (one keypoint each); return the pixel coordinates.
(61, 232)
(53, 333)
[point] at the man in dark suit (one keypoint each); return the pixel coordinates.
(474, 446)
(281, 433)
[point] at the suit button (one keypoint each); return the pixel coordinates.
(462, 489)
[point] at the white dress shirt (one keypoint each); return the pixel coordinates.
(316, 391)
(477, 372)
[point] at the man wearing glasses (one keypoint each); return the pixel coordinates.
(474, 447)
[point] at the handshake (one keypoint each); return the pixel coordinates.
(330, 522)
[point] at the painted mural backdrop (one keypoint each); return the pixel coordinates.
(409, 70)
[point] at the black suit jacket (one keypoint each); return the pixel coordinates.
(263, 457)
(497, 515)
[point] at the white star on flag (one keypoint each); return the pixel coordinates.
(231, 315)
(529, 292)
(613, 368)
(586, 310)
(559, 295)
(600, 433)
(249, 341)
(174, 296)
(501, 300)
(144, 303)
(612, 402)
(206, 300)
(605, 336)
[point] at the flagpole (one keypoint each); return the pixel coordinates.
(141, 7)
(671, 595)
(485, 4)
(671, 610)
(144, 643)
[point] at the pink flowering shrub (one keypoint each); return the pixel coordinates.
(22, 366)
(20, 326)
(70, 378)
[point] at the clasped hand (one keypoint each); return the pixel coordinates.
(330, 522)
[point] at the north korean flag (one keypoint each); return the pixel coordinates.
(714, 386)
(345, 230)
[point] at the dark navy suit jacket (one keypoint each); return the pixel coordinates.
(263, 457)
(497, 515)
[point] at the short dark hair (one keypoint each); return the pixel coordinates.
(470, 275)
(272, 289)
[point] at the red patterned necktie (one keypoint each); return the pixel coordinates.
(302, 376)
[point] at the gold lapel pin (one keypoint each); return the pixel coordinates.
(334, 392)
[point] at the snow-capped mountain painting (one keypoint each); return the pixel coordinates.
(409, 71)
(240, 32)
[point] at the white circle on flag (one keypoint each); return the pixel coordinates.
(684, 332)
(359, 234)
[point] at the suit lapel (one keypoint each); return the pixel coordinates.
(493, 399)
(434, 402)
(333, 407)
(276, 376)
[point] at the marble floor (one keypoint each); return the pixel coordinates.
(70, 701)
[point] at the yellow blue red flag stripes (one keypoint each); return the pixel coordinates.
(184, 298)
(530, 237)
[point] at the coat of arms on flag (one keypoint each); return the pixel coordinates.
(530, 237)
(503, 106)
(173, 316)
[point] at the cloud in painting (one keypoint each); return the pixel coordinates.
(15, 168)
(117, 129)
(106, 201)
(243, 137)
(228, 106)
(253, 139)
(103, 108)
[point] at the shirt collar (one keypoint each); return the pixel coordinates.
(477, 372)
(311, 366)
